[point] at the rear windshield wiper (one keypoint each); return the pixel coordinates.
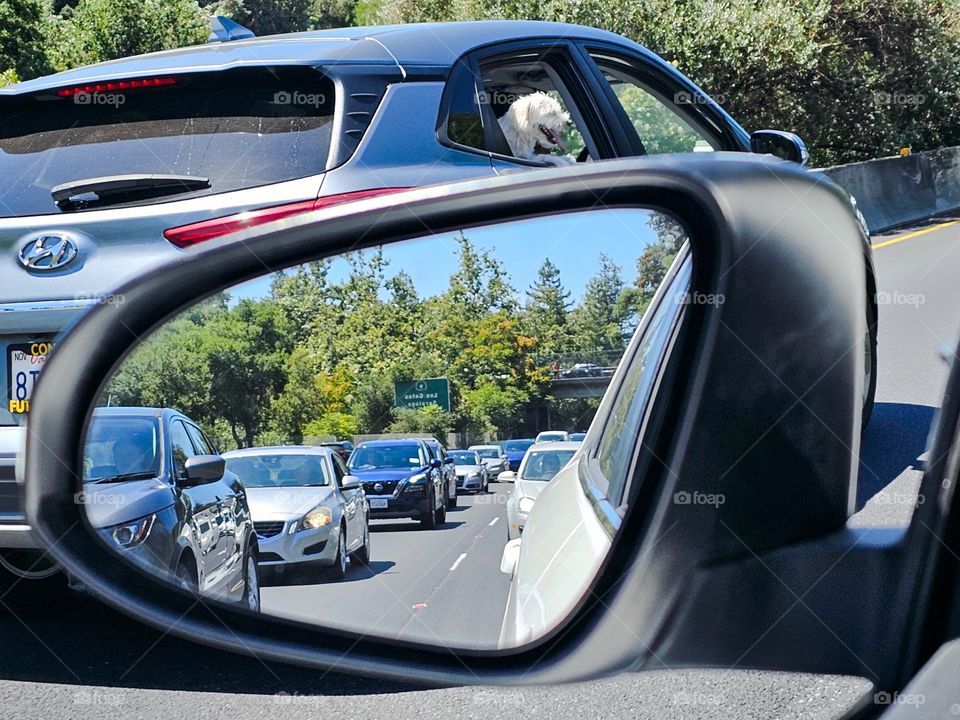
(123, 477)
(109, 189)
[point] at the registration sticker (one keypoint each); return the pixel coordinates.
(24, 363)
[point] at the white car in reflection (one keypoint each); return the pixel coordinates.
(541, 462)
(308, 512)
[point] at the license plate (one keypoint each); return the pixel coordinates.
(24, 363)
(379, 504)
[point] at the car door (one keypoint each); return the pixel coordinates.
(202, 511)
(352, 503)
(227, 511)
(657, 109)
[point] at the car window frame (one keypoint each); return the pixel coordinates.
(611, 510)
(702, 117)
(174, 470)
(199, 434)
(576, 80)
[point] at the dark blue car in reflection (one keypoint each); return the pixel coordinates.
(162, 497)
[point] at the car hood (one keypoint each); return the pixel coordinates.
(386, 474)
(530, 488)
(491, 461)
(117, 503)
(468, 469)
(286, 503)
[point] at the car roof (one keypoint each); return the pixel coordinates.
(431, 44)
(279, 450)
(569, 445)
(484, 447)
(390, 441)
(144, 412)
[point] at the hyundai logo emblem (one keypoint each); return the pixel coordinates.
(47, 252)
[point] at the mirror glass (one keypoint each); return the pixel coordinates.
(397, 441)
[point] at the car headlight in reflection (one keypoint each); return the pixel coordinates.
(418, 478)
(133, 533)
(473, 476)
(316, 518)
(525, 504)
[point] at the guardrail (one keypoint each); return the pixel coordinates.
(898, 190)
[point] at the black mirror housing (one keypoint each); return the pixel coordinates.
(780, 144)
(202, 469)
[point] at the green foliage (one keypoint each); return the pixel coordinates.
(97, 30)
(22, 39)
(429, 420)
(8, 77)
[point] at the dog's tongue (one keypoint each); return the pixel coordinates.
(553, 137)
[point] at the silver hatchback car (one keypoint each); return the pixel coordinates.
(308, 513)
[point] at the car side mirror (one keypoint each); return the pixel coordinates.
(507, 476)
(449, 461)
(350, 482)
(780, 144)
(202, 469)
(511, 553)
(436, 464)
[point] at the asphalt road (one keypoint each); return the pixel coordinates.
(63, 654)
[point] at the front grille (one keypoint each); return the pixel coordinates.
(11, 494)
(388, 487)
(268, 529)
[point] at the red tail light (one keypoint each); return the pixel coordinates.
(116, 86)
(195, 233)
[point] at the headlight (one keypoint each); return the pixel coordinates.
(132, 534)
(525, 504)
(473, 476)
(316, 518)
(417, 479)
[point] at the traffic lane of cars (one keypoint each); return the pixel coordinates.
(430, 585)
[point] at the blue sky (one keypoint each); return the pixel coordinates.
(573, 242)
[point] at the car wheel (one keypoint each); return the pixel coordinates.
(251, 581)
(452, 502)
(187, 577)
(339, 568)
(870, 368)
(362, 555)
(428, 520)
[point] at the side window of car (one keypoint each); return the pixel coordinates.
(661, 122)
(339, 470)
(200, 441)
(181, 445)
(552, 130)
(623, 427)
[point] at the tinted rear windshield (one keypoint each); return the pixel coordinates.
(237, 128)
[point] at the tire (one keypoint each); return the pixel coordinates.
(338, 570)
(428, 520)
(452, 501)
(362, 554)
(187, 577)
(870, 368)
(251, 581)
(442, 514)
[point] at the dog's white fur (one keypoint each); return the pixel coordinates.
(522, 127)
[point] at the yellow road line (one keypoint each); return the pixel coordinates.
(914, 234)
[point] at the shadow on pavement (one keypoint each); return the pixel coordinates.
(411, 526)
(894, 441)
(318, 576)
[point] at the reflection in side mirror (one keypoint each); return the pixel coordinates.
(784, 145)
(437, 344)
(511, 554)
(202, 469)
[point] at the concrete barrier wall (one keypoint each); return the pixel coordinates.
(897, 190)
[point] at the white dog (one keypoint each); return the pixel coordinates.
(532, 127)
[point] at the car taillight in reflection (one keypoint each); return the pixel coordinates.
(186, 235)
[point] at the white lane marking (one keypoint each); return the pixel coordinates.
(494, 521)
(457, 562)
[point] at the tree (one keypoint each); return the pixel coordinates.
(548, 303)
(598, 324)
(97, 30)
(22, 39)
(267, 17)
(428, 420)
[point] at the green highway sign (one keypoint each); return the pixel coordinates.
(420, 393)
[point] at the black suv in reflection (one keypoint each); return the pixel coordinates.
(401, 479)
(160, 495)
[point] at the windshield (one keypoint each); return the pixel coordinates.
(517, 445)
(281, 470)
(551, 437)
(465, 458)
(488, 452)
(238, 129)
(385, 456)
(544, 464)
(121, 446)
